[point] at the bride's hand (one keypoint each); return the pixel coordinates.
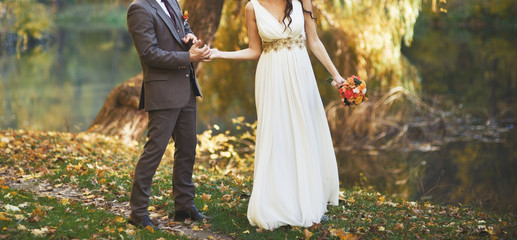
(338, 81)
(215, 53)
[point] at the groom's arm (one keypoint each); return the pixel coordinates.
(187, 29)
(141, 27)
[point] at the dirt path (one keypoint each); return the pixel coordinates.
(63, 191)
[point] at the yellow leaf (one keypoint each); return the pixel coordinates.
(340, 233)
(3, 217)
(246, 232)
(307, 234)
(226, 197)
(206, 197)
(351, 236)
(149, 229)
(346, 236)
(65, 201)
(40, 232)
(223, 188)
(90, 196)
(120, 219)
(399, 226)
(196, 228)
(130, 232)
(491, 230)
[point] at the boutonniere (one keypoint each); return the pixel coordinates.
(185, 17)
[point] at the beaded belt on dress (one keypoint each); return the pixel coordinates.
(289, 43)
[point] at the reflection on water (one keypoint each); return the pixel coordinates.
(477, 173)
(474, 70)
(62, 85)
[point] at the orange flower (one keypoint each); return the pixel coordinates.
(351, 82)
(358, 99)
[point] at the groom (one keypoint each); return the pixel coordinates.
(166, 48)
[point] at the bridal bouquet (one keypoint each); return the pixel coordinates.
(353, 91)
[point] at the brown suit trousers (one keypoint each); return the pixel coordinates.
(180, 123)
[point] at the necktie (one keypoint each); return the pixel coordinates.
(171, 12)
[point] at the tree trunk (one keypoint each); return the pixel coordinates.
(119, 116)
(204, 17)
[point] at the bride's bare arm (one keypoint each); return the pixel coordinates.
(254, 50)
(316, 46)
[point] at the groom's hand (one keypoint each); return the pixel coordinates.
(190, 39)
(200, 52)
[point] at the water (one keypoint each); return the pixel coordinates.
(478, 173)
(61, 84)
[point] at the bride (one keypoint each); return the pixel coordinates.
(296, 173)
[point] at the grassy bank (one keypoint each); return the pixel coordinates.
(99, 168)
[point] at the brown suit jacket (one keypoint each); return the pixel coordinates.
(168, 72)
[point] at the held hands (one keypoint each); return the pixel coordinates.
(215, 54)
(199, 52)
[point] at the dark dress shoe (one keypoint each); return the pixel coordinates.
(141, 221)
(191, 213)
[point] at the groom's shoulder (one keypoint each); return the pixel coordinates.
(140, 3)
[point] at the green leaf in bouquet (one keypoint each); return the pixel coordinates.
(357, 81)
(329, 80)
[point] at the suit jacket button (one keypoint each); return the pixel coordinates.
(188, 75)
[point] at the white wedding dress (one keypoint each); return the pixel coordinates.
(296, 174)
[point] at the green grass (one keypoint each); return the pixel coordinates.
(101, 167)
(26, 216)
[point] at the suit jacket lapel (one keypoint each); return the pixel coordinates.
(178, 15)
(167, 20)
